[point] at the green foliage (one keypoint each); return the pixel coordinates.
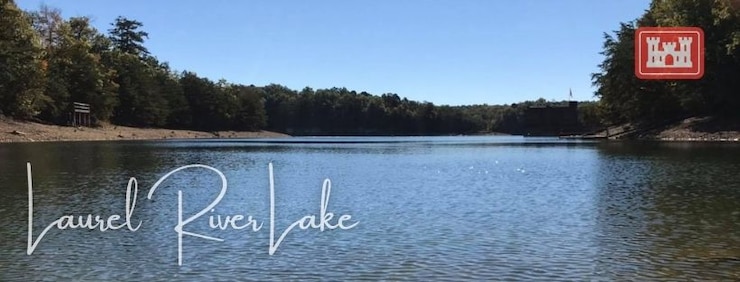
(338, 111)
(50, 62)
(140, 101)
(213, 107)
(624, 98)
(127, 37)
(590, 116)
(76, 72)
(168, 83)
(251, 115)
(21, 68)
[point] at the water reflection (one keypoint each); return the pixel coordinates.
(668, 211)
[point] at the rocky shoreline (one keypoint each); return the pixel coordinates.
(694, 129)
(697, 129)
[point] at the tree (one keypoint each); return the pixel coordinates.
(91, 80)
(46, 63)
(168, 83)
(76, 73)
(624, 98)
(213, 107)
(251, 113)
(21, 68)
(127, 37)
(141, 103)
(47, 22)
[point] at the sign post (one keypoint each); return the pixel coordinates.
(81, 114)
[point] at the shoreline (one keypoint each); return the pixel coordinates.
(15, 131)
(695, 129)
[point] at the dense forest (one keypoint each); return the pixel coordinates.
(625, 98)
(47, 62)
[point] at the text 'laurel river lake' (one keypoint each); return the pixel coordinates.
(395, 208)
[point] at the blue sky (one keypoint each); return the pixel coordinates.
(446, 52)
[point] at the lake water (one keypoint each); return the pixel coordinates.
(460, 208)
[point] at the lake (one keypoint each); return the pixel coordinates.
(441, 208)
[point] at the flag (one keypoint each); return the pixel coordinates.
(571, 93)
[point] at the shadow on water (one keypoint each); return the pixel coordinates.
(79, 164)
(668, 210)
(78, 177)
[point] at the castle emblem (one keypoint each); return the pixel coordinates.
(669, 53)
(680, 55)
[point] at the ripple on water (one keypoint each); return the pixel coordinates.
(472, 209)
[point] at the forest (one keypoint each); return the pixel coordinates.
(625, 98)
(47, 62)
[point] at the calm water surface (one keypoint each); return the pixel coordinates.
(462, 208)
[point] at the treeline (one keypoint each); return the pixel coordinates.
(48, 62)
(338, 111)
(625, 98)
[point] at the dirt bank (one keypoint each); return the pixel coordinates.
(24, 131)
(697, 129)
(690, 129)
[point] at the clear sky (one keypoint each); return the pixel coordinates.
(451, 52)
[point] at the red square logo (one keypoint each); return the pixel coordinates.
(669, 53)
